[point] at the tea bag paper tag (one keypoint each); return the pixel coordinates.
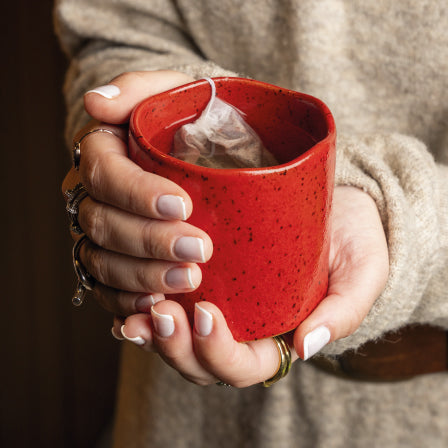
(221, 138)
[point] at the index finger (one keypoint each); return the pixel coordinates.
(111, 177)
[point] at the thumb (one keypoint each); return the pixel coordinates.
(339, 314)
(114, 102)
(359, 268)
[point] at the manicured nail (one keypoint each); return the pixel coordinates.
(109, 91)
(163, 323)
(315, 341)
(203, 320)
(115, 335)
(144, 303)
(179, 278)
(190, 248)
(138, 340)
(172, 207)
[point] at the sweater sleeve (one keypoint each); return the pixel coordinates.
(104, 39)
(411, 192)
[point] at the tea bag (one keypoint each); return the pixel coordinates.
(220, 138)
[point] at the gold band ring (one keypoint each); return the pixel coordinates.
(284, 364)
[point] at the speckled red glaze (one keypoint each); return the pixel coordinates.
(269, 226)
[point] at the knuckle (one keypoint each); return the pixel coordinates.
(152, 244)
(134, 193)
(91, 173)
(95, 263)
(145, 279)
(176, 357)
(94, 223)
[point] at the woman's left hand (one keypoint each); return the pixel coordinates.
(208, 353)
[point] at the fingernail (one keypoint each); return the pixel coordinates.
(190, 248)
(315, 341)
(163, 323)
(172, 207)
(115, 335)
(138, 340)
(203, 321)
(109, 91)
(180, 278)
(144, 303)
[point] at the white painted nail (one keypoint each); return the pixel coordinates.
(315, 340)
(203, 320)
(163, 323)
(190, 248)
(115, 335)
(109, 91)
(179, 278)
(172, 207)
(138, 340)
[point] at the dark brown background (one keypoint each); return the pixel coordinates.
(58, 363)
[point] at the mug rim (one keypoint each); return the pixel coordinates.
(144, 144)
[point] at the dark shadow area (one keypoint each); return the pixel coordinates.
(59, 364)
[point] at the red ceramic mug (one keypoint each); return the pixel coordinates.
(269, 226)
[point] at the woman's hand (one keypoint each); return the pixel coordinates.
(139, 246)
(208, 353)
(359, 268)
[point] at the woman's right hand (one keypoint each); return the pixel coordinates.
(139, 245)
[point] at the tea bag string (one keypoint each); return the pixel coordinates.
(212, 97)
(206, 112)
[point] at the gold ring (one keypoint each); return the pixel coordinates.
(284, 364)
(76, 152)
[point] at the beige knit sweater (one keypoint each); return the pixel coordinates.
(382, 68)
